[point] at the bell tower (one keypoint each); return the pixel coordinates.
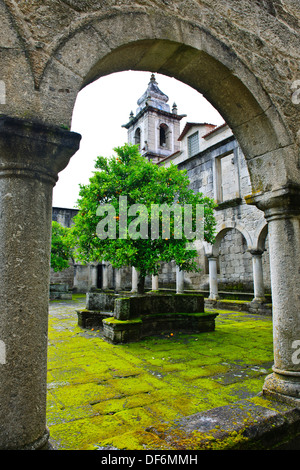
(155, 128)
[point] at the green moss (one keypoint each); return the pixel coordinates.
(112, 320)
(234, 440)
(129, 396)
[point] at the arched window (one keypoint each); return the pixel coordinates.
(137, 137)
(163, 136)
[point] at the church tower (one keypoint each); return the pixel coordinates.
(155, 128)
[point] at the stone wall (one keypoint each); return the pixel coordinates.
(235, 263)
(63, 277)
(237, 222)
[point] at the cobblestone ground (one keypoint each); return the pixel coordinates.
(104, 396)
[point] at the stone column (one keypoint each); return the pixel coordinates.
(179, 281)
(105, 276)
(282, 213)
(93, 273)
(31, 155)
(118, 280)
(75, 279)
(213, 278)
(258, 280)
(154, 282)
(134, 280)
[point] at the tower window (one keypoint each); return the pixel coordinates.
(163, 136)
(137, 137)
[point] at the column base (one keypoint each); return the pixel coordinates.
(284, 386)
(213, 298)
(42, 443)
(258, 300)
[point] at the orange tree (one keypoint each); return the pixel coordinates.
(121, 221)
(61, 248)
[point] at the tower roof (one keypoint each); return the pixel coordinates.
(154, 97)
(153, 100)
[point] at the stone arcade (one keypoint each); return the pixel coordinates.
(243, 56)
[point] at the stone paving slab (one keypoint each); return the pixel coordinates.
(132, 396)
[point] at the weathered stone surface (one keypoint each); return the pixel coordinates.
(90, 318)
(246, 65)
(134, 317)
(124, 331)
(133, 307)
(30, 157)
(243, 426)
(100, 301)
(243, 56)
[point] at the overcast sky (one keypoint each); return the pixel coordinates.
(100, 110)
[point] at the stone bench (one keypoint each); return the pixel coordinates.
(133, 317)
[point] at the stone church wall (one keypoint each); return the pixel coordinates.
(235, 270)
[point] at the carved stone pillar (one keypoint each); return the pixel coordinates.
(282, 212)
(31, 155)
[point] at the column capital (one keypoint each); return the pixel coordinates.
(33, 149)
(256, 252)
(279, 203)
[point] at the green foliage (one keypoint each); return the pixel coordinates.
(61, 247)
(142, 182)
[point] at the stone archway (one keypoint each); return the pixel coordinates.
(210, 47)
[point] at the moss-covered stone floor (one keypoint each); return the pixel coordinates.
(104, 396)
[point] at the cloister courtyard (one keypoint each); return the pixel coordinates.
(141, 395)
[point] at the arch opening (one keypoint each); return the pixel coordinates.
(163, 136)
(137, 137)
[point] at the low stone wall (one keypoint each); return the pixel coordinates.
(91, 318)
(253, 307)
(126, 319)
(103, 301)
(59, 291)
(136, 306)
